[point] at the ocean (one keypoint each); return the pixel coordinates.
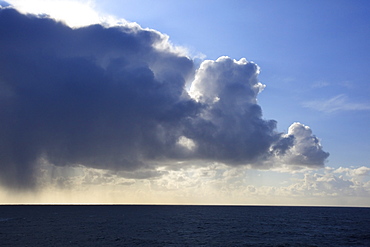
(170, 225)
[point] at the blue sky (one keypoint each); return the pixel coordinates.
(313, 57)
(308, 51)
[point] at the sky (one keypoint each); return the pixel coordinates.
(185, 102)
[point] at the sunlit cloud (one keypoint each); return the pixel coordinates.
(111, 98)
(74, 13)
(116, 113)
(214, 183)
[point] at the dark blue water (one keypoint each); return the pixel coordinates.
(183, 226)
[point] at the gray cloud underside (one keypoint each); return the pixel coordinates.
(106, 97)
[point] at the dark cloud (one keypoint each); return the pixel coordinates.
(108, 97)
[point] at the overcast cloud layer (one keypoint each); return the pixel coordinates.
(115, 98)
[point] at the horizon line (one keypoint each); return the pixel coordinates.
(181, 204)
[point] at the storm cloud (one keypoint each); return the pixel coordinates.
(115, 98)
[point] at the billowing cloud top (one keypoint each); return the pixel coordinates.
(115, 98)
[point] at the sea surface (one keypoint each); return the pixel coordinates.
(159, 225)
